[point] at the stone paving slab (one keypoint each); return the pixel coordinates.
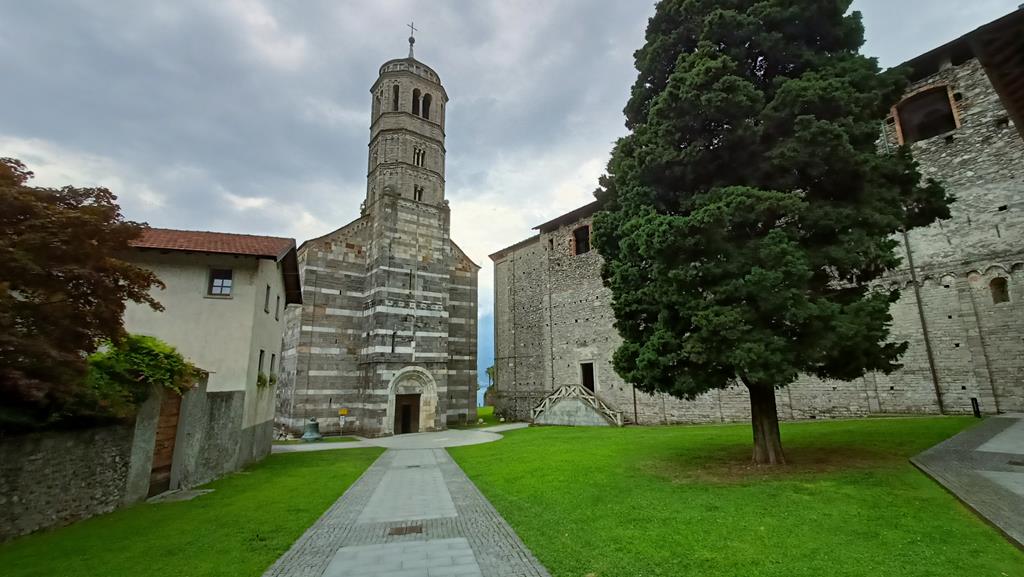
(437, 558)
(409, 492)
(982, 466)
(343, 535)
(1009, 440)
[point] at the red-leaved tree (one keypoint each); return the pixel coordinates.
(63, 289)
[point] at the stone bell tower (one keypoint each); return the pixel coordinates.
(407, 133)
(387, 331)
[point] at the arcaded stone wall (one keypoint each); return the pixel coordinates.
(552, 311)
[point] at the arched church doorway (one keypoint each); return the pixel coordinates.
(407, 414)
(412, 402)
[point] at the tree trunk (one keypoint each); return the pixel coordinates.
(764, 418)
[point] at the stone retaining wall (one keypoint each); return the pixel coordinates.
(55, 478)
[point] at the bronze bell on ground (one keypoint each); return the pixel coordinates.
(312, 431)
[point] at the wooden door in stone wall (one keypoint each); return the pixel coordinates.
(163, 449)
(407, 414)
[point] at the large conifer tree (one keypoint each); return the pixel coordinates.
(749, 208)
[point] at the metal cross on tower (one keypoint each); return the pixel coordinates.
(412, 36)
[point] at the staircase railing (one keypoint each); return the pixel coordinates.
(578, 392)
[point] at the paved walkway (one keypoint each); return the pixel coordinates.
(984, 467)
(414, 513)
(439, 439)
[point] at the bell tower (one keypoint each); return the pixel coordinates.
(406, 152)
(387, 329)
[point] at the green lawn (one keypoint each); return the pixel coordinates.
(323, 440)
(249, 520)
(485, 413)
(680, 501)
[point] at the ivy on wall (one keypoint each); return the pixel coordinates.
(121, 376)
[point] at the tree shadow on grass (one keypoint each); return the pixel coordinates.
(732, 465)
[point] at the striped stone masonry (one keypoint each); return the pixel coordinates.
(387, 329)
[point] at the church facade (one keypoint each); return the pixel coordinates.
(386, 334)
(962, 280)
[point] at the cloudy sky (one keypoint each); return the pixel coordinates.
(252, 115)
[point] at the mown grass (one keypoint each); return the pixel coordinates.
(482, 413)
(250, 519)
(670, 501)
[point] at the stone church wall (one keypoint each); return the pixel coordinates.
(389, 302)
(462, 340)
(371, 310)
(320, 373)
(552, 311)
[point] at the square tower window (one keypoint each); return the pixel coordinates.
(926, 114)
(581, 240)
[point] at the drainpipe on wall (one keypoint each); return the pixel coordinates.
(924, 323)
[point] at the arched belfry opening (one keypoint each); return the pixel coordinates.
(427, 99)
(416, 101)
(394, 98)
(1000, 289)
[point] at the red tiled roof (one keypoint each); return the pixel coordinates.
(215, 242)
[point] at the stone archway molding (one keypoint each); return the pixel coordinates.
(412, 381)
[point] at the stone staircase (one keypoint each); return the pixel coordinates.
(579, 396)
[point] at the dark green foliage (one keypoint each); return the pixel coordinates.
(122, 375)
(746, 213)
(62, 290)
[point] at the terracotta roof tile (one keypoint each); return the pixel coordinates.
(215, 242)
